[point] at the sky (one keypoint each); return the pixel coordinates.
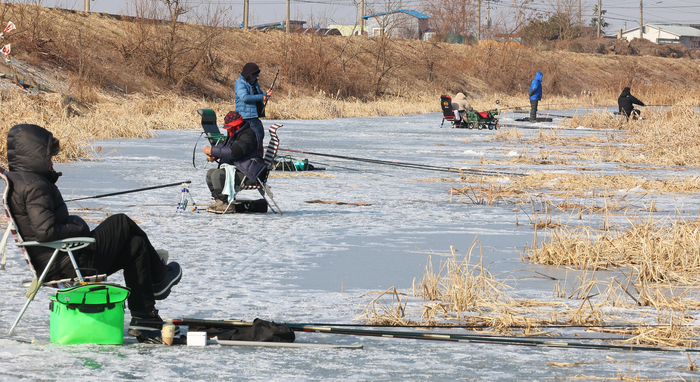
(620, 13)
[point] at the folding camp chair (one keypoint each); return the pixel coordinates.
(66, 245)
(211, 129)
(448, 113)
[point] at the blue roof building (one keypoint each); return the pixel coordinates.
(401, 23)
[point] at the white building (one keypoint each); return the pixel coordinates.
(347, 30)
(402, 23)
(667, 34)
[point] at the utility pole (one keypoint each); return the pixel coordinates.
(599, 14)
(488, 14)
(246, 8)
(478, 24)
(86, 5)
(288, 1)
(641, 20)
(580, 21)
(362, 18)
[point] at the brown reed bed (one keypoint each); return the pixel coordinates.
(666, 136)
(614, 189)
(655, 250)
(464, 293)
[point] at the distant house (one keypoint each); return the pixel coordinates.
(667, 34)
(402, 23)
(347, 30)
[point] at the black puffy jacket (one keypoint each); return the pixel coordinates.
(35, 202)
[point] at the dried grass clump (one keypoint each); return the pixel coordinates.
(388, 308)
(656, 250)
(674, 332)
(590, 182)
(668, 137)
(461, 286)
(486, 195)
(507, 134)
(596, 119)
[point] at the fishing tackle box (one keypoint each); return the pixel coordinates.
(90, 313)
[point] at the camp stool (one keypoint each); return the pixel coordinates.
(66, 245)
(209, 123)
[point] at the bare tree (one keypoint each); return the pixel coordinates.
(160, 41)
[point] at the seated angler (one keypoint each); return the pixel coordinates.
(242, 148)
(120, 244)
(460, 105)
(626, 102)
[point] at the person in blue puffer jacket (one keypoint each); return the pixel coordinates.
(535, 94)
(250, 99)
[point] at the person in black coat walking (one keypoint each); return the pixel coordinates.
(626, 103)
(41, 214)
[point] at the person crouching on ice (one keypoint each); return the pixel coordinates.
(243, 149)
(626, 102)
(41, 214)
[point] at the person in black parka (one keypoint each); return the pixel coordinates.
(41, 214)
(242, 148)
(626, 103)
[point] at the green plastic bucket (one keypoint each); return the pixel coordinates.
(92, 313)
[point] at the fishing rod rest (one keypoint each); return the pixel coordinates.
(185, 196)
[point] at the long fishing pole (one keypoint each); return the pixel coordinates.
(406, 164)
(207, 322)
(130, 191)
(517, 341)
(271, 86)
(551, 115)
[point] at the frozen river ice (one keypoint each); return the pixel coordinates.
(316, 262)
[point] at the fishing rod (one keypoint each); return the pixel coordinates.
(407, 164)
(271, 86)
(209, 322)
(130, 191)
(551, 115)
(517, 341)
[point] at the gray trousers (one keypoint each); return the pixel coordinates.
(533, 109)
(216, 178)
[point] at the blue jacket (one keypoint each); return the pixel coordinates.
(246, 99)
(535, 91)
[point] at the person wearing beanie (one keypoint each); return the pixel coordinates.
(250, 99)
(243, 149)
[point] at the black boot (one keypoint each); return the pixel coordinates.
(162, 289)
(146, 326)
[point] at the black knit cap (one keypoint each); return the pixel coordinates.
(249, 69)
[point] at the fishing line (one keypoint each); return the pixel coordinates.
(410, 165)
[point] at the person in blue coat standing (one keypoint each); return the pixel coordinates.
(535, 94)
(250, 99)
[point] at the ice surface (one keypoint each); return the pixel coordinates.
(315, 263)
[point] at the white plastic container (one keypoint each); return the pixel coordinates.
(196, 338)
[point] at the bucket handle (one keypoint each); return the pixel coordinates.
(93, 308)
